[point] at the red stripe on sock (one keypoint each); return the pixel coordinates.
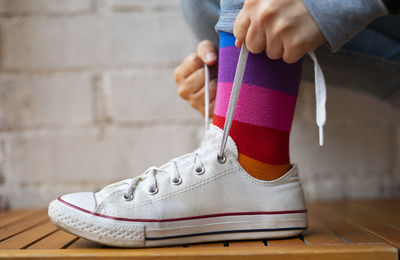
(261, 143)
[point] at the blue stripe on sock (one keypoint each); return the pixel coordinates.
(226, 39)
(225, 232)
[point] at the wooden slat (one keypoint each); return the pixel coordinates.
(333, 252)
(349, 233)
(219, 244)
(57, 240)
(84, 243)
(388, 233)
(10, 217)
(296, 241)
(369, 222)
(382, 211)
(25, 238)
(22, 225)
(318, 234)
(246, 244)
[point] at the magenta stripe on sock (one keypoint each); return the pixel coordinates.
(261, 71)
(257, 106)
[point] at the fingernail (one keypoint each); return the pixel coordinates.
(238, 43)
(211, 56)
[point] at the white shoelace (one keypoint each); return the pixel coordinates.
(320, 96)
(150, 175)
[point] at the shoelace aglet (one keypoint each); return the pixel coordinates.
(320, 96)
(321, 135)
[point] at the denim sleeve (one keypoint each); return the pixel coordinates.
(340, 20)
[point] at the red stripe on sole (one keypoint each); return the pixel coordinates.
(185, 218)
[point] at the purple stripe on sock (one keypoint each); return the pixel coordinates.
(261, 71)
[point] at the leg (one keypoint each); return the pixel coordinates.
(266, 103)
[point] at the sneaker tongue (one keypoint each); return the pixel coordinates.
(214, 138)
(108, 190)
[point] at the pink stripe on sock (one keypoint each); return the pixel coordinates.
(257, 106)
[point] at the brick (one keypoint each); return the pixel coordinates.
(39, 196)
(391, 185)
(151, 38)
(328, 189)
(347, 149)
(148, 94)
(47, 43)
(38, 100)
(344, 106)
(149, 5)
(86, 157)
(103, 103)
(23, 7)
(367, 187)
(347, 187)
(91, 42)
(350, 107)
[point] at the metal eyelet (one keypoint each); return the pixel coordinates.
(221, 158)
(152, 190)
(199, 171)
(176, 182)
(127, 198)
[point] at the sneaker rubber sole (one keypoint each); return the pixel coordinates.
(123, 232)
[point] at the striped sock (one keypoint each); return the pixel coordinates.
(264, 111)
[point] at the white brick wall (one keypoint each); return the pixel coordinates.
(360, 158)
(46, 100)
(87, 98)
(44, 7)
(145, 95)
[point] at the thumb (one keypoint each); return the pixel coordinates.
(207, 52)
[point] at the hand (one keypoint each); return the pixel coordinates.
(189, 76)
(282, 28)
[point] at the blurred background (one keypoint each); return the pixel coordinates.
(87, 98)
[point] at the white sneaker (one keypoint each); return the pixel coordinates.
(202, 196)
(193, 198)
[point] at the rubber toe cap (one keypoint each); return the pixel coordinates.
(80, 200)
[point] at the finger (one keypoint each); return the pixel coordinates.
(197, 100)
(207, 52)
(192, 84)
(291, 54)
(212, 106)
(255, 40)
(274, 48)
(213, 89)
(293, 47)
(214, 72)
(189, 65)
(240, 28)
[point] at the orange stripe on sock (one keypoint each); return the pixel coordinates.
(262, 170)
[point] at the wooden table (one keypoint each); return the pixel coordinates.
(337, 230)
